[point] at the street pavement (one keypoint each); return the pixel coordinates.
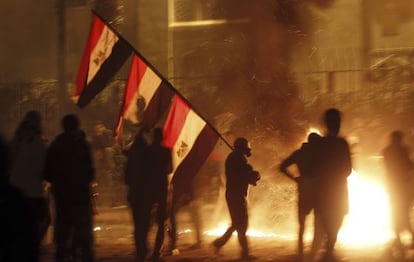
(114, 242)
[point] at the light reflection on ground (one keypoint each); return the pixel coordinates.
(367, 223)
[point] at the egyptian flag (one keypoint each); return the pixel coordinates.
(190, 139)
(147, 96)
(104, 55)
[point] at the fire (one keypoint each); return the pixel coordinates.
(368, 221)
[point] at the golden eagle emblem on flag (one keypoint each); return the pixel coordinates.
(104, 48)
(182, 150)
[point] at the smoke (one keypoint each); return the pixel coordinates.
(257, 87)
(257, 84)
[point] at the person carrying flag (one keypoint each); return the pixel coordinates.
(148, 167)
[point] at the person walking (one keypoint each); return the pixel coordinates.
(399, 167)
(334, 167)
(304, 159)
(239, 175)
(148, 188)
(69, 169)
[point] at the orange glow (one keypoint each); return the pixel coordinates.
(218, 231)
(314, 130)
(368, 221)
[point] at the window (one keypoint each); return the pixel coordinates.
(204, 12)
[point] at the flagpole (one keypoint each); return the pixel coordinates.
(168, 84)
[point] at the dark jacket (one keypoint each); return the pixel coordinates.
(238, 173)
(69, 168)
(158, 166)
(305, 159)
(334, 168)
(147, 171)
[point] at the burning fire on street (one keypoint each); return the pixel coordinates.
(368, 221)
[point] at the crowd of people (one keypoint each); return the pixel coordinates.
(34, 171)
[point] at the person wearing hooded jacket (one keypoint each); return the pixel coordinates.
(69, 169)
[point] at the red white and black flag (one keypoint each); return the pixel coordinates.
(104, 55)
(191, 140)
(147, 96)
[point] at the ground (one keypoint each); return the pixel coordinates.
(113, 242)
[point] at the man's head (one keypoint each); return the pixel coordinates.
(396, 137)
(242, 145)
(332, 121)
(34, 120)
(313, 137)
(70, 122)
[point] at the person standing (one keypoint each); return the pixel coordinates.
(148, 167)
(18, 232)
(334, 167)
(304, 159)
(28, 158)
(399, 175)
(239, 175)
(103, 146)
(134, 173)
(70, 171)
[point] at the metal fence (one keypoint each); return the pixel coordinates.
(18, 98)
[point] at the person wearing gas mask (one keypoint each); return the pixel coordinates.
(239, 175)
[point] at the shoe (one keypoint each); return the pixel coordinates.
(217, 246)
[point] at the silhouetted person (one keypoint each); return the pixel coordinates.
(101, 140)
(148, 189)
(184, 197)
(239, 175)
(27, 169)
(69, 169)
(134, 179)
(399, 177)
(28, 148)
(334, 167)
(18, 232)
(102, 143)
(304, 159)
